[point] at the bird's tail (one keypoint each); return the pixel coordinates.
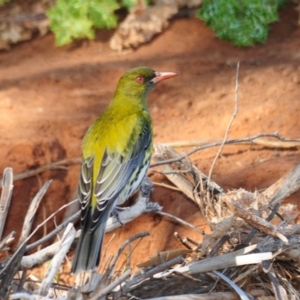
(88, 250)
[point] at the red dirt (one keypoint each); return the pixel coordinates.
(49, 96)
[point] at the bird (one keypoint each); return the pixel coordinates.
(116, 154)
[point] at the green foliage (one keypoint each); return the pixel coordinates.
(128, 3)
(75, 19)
(244, 22)
(4, 1)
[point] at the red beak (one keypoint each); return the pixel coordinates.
(160, 76)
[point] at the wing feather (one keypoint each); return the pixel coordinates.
(115, 172)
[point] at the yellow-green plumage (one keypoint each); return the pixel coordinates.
(116, 156)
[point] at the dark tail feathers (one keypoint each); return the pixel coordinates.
(88, 250)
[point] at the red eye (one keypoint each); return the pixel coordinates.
(140, 79)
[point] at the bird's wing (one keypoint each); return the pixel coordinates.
(115, 172)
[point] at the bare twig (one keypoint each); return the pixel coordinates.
(53, 233)
(56, 262)
(56, 165)
(102, 292)
(137, 279)
(22, 280)
(167, 186)
(182, 241)
(161, 257)
(213, 296)
(192, 143)
(124, 244)
(258, 223)
(220, 243)
(22, 248)
(240, 292)
(290, 185)
(9, 270)
(14, 262)
(29, 218)
(7, 240)
(279, 291)
(230, 122)
(38, 258)
(268, 219)
(228, 142)
(260, 141)
(7, 187)
(180, 221)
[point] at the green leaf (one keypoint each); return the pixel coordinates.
(128, 3)
(76, 19)
(244, 22)
(4, 1)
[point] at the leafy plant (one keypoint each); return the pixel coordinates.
(4, 1)
(76, 19)
(244, 22)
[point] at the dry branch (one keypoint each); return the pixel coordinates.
(257, 222)
(288, 184)
(228, 214)
(61, 164)
(7, 240)
(239, 291)
(139, 278)
(259, 141)
(212, 296)
(246, 140)
(38, 258)
(56, 262)
(232, 259)
(103, 292)
(7, 187)
(31, 213)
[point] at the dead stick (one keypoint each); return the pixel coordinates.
(7, 187)
(279, 291)
(8, 239)
(29, 218)
(257, 222)
(141, 277)
(268, 219)
(55, 165)
(228, 142)
(53, 233)
(180, 221)
(124, 244)
(236, 102)
(103, 292)
(260, 142)
(219, 244)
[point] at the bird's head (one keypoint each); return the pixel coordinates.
(138, 82)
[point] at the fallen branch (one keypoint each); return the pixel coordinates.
(6, 193)
(228, 142)
(56, 262)
(62, 164)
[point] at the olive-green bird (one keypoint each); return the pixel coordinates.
(116, 156)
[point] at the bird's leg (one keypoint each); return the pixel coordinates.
(146, 188)
(145, 191)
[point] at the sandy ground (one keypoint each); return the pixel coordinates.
(49, 96)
